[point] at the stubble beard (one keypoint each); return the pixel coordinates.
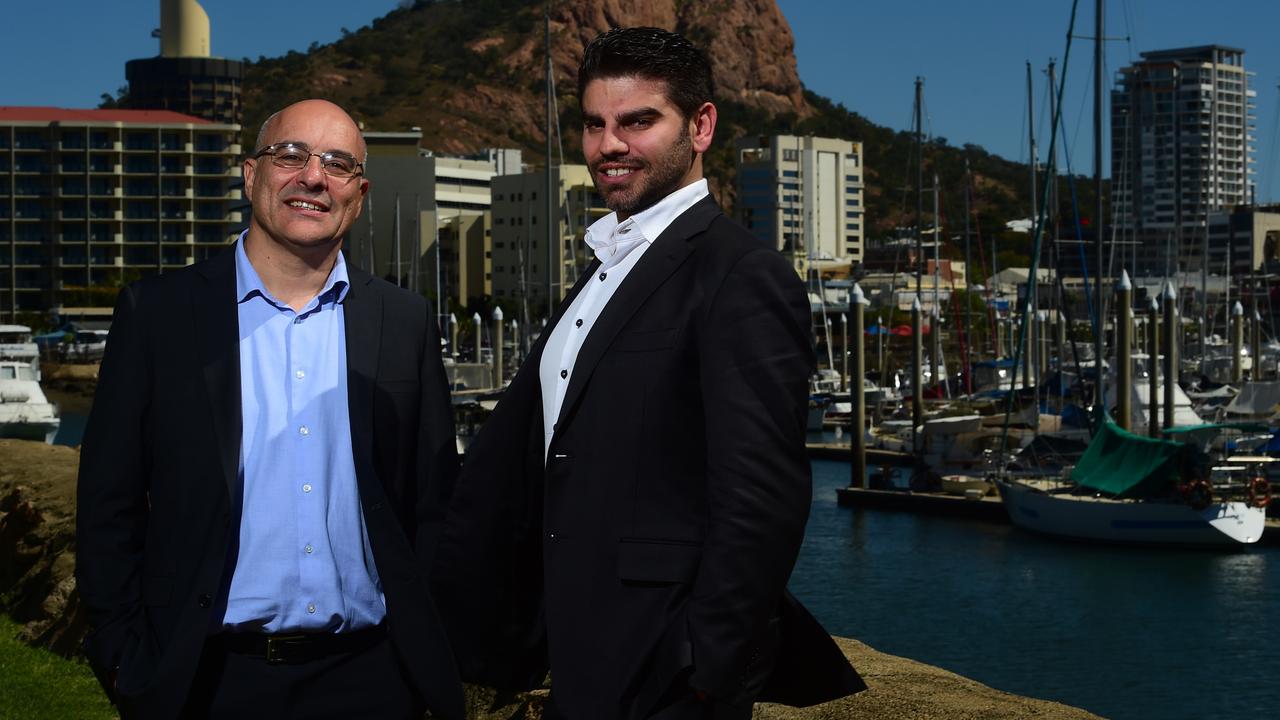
(662, 177)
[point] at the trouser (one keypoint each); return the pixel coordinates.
(367, 683)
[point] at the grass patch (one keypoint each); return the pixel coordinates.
(37, 684)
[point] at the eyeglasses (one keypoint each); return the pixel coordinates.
(295, 156)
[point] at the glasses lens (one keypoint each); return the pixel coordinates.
(338, 164)
(289, 156)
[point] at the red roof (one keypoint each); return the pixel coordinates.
(54, 114)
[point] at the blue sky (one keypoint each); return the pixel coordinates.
(972, 54)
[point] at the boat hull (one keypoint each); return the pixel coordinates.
(1228, 524)
(41, 430)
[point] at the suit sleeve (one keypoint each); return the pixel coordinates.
(111, 495)
(755, 360)
(437, 452)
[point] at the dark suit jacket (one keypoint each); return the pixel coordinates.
(664, 525)
(159, 468)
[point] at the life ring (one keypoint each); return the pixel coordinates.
(1198, 494)
(1259, 492)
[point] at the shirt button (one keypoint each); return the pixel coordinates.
(304, 430)
(578, 323)
(297, 320)
(603, 276)
(306, 488)
(564, 374)
(300, 374)
(307, 549)
(311, 607)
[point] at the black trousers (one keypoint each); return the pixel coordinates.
(364, 684)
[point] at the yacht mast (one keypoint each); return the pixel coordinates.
(1098, 221)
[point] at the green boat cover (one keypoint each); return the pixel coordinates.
(1120, 464)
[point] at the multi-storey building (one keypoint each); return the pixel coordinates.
(1181, 148)
(803, 195)
(94, 198)
(416, 197)
(520, 237)
(184, 78)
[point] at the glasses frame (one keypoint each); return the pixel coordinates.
(274, 148)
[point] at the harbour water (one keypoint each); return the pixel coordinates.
(1122, 632)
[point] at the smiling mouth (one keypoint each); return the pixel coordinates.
(305, 205)
(618, 172)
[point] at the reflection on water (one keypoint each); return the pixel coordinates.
(70, 429)
(1123, 632)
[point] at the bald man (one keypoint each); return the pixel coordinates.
(265, 465)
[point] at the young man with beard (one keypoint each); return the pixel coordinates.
(642, 488)
(264, 468)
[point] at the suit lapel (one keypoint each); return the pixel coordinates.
(668, 252)
(218, 329)
(362, 321)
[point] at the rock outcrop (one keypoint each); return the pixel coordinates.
(487, 91)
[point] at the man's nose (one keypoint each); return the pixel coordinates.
(612, 143)
(311, 174)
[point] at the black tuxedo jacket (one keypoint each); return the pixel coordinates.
(159, 469)
(656, 540)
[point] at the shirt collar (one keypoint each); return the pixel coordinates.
(611, 240)
(248, 282)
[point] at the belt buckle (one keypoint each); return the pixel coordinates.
(276, 645)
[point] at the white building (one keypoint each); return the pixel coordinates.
(416, 197)
(803, 195)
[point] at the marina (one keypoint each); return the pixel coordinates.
(1124, 632)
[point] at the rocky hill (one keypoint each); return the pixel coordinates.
(471, 74)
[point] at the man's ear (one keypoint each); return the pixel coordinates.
(247, 169)
(702, 127)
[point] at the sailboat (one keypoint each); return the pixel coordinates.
(1133, 489)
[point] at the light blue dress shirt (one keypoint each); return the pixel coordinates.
(303, 562)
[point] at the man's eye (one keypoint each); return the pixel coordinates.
(291, 157)
(338, 164)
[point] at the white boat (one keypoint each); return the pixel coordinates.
(16, 344)
(25, 412)
(1131, 489)
(1139, 522)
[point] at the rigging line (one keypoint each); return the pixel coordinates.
(1035, 251)
(1023, 152)
(982, 254)
(567, 213)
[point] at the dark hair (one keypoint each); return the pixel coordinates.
(654, 54)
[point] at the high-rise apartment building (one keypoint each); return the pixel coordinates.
(184, 77)
(803, 195)
(1181, 147)
(520, 255)
(94, 198)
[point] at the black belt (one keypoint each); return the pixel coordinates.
(300, 647)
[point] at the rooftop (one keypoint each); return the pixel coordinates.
(12, 113)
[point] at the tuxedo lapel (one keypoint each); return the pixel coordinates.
(362, 321)
(668, 252)
(217, 328)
